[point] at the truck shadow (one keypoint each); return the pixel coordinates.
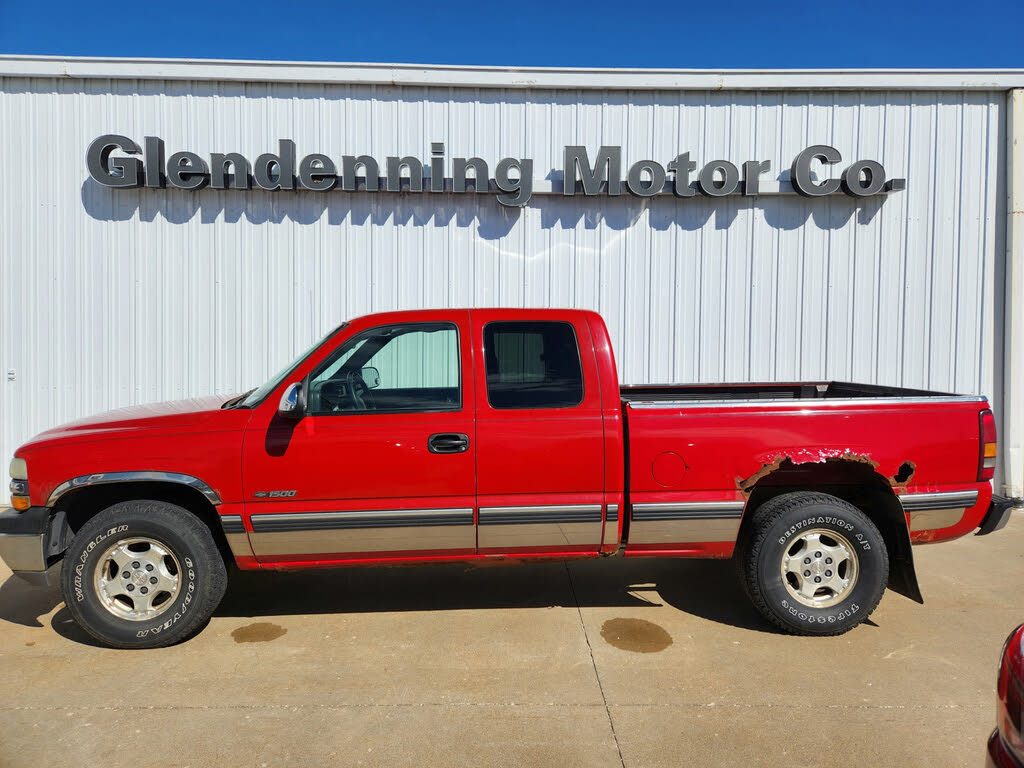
(21, 603)
(707, 589)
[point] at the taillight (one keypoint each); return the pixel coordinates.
(987, 451)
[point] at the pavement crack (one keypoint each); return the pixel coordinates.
(593, 663)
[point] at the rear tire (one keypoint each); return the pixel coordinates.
(813, 564)
(143, 574)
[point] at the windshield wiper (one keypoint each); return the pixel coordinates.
(234, 401)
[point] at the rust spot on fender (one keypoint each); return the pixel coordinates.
(746, 485)
(923, 537)
(904, 474)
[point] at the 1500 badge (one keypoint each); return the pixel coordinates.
(274, 494)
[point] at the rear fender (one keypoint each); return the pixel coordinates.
(858, 483)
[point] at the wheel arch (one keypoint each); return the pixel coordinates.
(80, 499)
(853, 481)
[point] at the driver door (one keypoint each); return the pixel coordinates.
(383, 463)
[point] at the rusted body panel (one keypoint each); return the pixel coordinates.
(689, 454)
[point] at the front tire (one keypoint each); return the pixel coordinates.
(143, 574)
(813, 564)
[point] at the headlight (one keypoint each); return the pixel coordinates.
(19, 469)
(19, 485)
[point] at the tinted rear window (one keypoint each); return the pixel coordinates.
(532, 364)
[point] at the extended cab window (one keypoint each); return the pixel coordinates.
(532, 364)
(411, 367)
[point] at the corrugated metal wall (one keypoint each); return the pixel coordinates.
(113, 298)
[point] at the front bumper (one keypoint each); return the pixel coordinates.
(998, 515)
(32, 542)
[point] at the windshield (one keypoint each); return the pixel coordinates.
(257, 396)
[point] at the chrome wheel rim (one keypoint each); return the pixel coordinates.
(819, 568)
(137, 579)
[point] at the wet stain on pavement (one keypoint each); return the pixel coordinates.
(635, 635)
(261, 632)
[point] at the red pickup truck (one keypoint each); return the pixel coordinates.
(480, 434)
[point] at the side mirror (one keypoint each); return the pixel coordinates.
(293, 402)
(371, 377)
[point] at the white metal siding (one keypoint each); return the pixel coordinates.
(118, 297)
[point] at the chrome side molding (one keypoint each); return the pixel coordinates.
(234, 533)
(688, 510)
(232, 524)
(343, 533)
(555, 513)
(913, 502)
(354, 519)
(670, 523)
(932, 511)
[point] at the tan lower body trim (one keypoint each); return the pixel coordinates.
(685, 522)
(357, 531)
(566, 525)
(932, 519)
(931, 511)
(679, 531)
(238, 543)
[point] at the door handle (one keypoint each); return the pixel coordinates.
(448, 442)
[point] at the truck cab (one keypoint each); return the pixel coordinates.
(414, 437)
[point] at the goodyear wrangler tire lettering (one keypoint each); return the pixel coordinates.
(812, 564)
(79, 594)
(201, 579)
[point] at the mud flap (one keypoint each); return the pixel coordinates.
(902, 576)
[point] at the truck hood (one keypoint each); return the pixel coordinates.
(156, 416)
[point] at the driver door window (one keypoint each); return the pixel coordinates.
(410, 367)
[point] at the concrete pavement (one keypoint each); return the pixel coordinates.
(612, 662)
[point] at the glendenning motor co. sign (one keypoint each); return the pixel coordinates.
(512, 179)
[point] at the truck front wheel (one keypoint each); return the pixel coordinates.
(813, 564)
(143, 574)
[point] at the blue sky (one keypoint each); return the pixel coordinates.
(635, 33)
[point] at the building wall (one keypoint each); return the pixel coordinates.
(111, 298)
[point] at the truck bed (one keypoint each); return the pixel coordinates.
(663, 395)
(696, 453)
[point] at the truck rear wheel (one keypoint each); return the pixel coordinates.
(813, 564)
(143, 574)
